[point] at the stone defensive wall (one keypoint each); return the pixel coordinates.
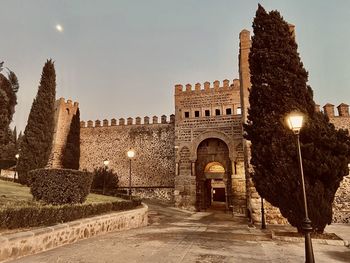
(341, 204)
(212, 108)
(342, 119)
(179, 88)
(152, 168)
(25, 243)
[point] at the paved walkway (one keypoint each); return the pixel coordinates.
(178, 236)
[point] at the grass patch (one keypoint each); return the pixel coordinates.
(19, 210)
(15, 195)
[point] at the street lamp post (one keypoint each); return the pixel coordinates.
(263, 223)
(105, 163)
(14, 176)
(295, 122)
(131, 154)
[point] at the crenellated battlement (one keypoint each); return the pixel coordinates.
(340, 121)
(69, 105)
(189, 89)
(328, 109)
(128, 122)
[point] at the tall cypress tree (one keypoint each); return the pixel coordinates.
(279, 86)
(71, 152)
(4, 112)
(38, 135)
(8, 100)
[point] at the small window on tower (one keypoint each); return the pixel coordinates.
(239, 111)
(196, 113)
(207, 113)
(187, 114)
(228, 111)
(217, 112)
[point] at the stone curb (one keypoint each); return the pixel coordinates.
(314, 240)
(26, 243)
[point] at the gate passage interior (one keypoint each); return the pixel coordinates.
(213, 174)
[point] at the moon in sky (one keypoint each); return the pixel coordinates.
(59, 28)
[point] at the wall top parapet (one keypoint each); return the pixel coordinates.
(69, 103)
(216, 87)
(328, 109)
(129, 121)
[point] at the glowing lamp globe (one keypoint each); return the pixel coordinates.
(295, 122)
(131, 153)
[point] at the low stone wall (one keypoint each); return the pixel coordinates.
(159, 193)
(7, 173)
(273, 215)
(30, 242)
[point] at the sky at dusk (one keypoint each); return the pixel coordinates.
(121, 59)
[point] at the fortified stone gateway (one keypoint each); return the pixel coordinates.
(197, 156)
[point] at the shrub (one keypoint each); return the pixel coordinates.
(5, 164)
(106, 177)
(45, 215)
(60, 186)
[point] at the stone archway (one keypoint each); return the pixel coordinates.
(210, 152)
(217, 135)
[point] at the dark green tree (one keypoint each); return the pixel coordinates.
(8, 100)
(279, 86)
(38, 135)
(104, 179)
(71, 152)
(4, 112)
(10, 149)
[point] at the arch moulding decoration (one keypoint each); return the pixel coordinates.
(213, 135)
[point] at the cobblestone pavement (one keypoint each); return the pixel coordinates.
(178, 236)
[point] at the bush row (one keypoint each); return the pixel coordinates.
(45, 215)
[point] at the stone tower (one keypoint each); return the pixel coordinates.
(253, 198)
(209, 153)
(63, 117)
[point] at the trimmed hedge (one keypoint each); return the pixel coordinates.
(60, 186)
(32, 216)
(5, 164)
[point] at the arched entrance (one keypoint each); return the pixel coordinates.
(213, 174)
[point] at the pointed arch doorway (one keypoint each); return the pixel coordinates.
(213, 175)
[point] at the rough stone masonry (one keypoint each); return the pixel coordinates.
(196, 157)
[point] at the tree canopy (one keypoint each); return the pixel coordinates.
(279, 86)
(36, 142)
(8, 100)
